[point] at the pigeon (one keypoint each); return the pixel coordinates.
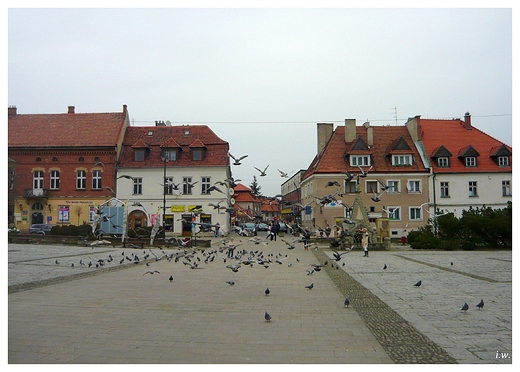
(267, 291)
(237, 160)
(230, 282)
(267, 317)
(451, 263)
(262, 172)
(347, 302)
(384, 267)
(72, 265)
(152, 272)
(310, 286)
(57, 262)
(418, 284)
(332, 183)
(465, 307)
(480, 305)
(170, 278)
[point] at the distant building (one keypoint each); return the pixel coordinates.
(191, 159)
(469, 168)
(65, 164)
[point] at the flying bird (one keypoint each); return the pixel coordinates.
(262, 172)
(230, 282)
(347, 302)
(418, 284)
(152, 272)
(377, 198)
(237, 160)
(465, 307)
(332, 183)
(267, 317)
(310, 286)
(350, 176)
(480, 305)
(284, 174)
(363, 172)
(126, 176)
(384, 186)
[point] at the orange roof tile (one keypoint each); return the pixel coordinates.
(458, 140)
(66, 130)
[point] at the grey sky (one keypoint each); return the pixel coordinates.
(263, 78)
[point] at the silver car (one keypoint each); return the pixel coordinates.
(41, 228)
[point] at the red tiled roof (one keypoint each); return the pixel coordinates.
(453, 135)
(182, 137)
(241, 188)
(66, 130)
(334, 158)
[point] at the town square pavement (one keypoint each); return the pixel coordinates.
(62, 310)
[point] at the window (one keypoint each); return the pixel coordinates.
(63, 213)
(138, 186)
(168, 187)
(38, 159)
(443, 162)
(139, 155)
(206, 184)
(371, 187)
(445, 189)
(361, 160)
(37, 207)
(414, 186)
(171, 154)
(97, 159)
(503, 161)
(197, 154)
(81, 158)
(55, 159)
(402, 160)
(96, 179)
(470, 161)
(38, 180)
(393, 186)
(187, 186)
(394, 213)
(415, 214)
(350, 187)
(81, 180)
(11, 179)
(506, 188)
(472, 186)
(55, 180)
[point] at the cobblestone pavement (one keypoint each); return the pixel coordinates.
(448, 280)
(112, 315)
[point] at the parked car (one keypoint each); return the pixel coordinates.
(13, 230)
(41, 228)
(283, 227)
(249, 228)
(261, 227)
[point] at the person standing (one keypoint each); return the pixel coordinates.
(275, 227)
(364, 242)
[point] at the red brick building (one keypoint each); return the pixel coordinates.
(62, 164)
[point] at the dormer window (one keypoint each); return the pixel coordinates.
(139, 155)
(401, 160)
(503, 161)
(197, 154)
(171, 154)
(443, 162)
(359, 160)
(470, 161)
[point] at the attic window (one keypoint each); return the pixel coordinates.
(402, 160)
(81, 158)
(186, 132)
(150, 133)
(97, 158)
(443, 162)
(197, 154)
(55, 159)
(503, 161)
(38, 159)
(470, 161)
(361, 160)
(139, 155)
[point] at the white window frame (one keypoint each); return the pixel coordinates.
(206, 184)
(81, 179)
(370, 182)
(443, 162)
(390, 184)
(470, 161)
(402, 159)
(54, 180)
(413, 213)
(359, 160)
(96, 179)
(186, 189)
(472, 189)
(444, 185)
(394, 213)
(414, 190)
(138, 186)
(506, 188)
(503, 161)
(38, 179)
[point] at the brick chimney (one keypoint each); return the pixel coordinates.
(350, 130)
(467, 121)
(324, 133)
(11, 110)
(71, 110)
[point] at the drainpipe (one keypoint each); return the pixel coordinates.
(434, 204)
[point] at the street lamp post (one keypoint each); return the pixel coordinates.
(164, 158)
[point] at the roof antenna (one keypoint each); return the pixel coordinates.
(395, 112)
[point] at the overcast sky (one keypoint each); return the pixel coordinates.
(263, 78)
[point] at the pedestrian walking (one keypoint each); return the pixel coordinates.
(274, 229)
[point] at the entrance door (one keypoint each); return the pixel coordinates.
(186, 224)
(37, 217)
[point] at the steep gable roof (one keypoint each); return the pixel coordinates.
(183, 136)
(455, 137)
(441, 152)
(66, 130)
(335, 156)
